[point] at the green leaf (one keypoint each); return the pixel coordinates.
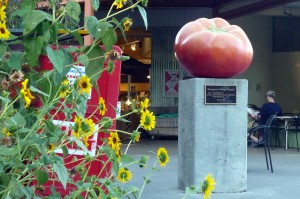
(53, 33)
(15, 60)
(95, 4)
(50, 126)
(5, 100)
(65, 151)
(73, 10)
(91, 23)
(146, 180)
(27, 191)
(124, 58)
(96, 57)
(81, 145)
(190, 190)
(42, 176)
(8, 151)
(78, 37)
(17, 120)
(21, 13)
(144, 15)
(83, 59)
(106, 32)
(22, 130)
(114, 20)
(72, 49)
(59, 58)
(122, 119)
(33, 47)
(4, 179)
(35, 90)
(62, 174)
(34, 18)
(127, 158)
(29, 4)
(115, 166)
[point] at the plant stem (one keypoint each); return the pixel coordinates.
(145, 181)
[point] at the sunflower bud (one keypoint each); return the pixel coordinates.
(106, 122)
(135, 136)
(6, 56)
(110, 67)
(144, 3)
(112, 55)
(143, 161)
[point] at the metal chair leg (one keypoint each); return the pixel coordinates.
(266, 156)
(297, 141)
(270, 159)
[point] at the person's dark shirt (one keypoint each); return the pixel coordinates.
(268, 109)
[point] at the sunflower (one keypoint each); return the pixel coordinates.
(208, 186)
(85, 141)
(26, 93)
(65, 89)
(135, 136)
(6, 132)
(162, 156)
(3, 1)
(4, 33)
(77, 127)
(119, 153)
(102, 106)
(124, 175)
(148, 120)
(51, 147)
(84, 84)
(89, 127)
(119, 3)
(144, 104)
(127, 24)
(2, 13)
(114, 141)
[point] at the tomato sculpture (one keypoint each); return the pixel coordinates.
(213, 48)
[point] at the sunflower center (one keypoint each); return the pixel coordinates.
(162, 157)
(114, 140)
(204, 186)
(84, 85)
(124, 175)
(2, 30)
(147, 120)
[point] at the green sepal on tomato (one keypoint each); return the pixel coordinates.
(213, 48)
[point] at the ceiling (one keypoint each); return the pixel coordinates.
(227, 9)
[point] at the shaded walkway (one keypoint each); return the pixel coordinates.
(284, 183)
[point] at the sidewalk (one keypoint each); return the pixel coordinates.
(284, 183)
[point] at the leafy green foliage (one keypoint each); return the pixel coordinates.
(40, 106)
(73, 10)
(95, 4)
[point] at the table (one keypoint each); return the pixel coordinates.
(286, 119)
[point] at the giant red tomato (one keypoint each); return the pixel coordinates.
(213, 48)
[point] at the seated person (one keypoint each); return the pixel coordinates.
(269, 108)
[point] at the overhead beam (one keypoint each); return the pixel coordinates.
(253, 8)
(221, 3)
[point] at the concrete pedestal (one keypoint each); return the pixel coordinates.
(212, 138)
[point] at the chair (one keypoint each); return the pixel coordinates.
(265, 130)
(295, 124)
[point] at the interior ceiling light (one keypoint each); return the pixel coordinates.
(148, 76)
